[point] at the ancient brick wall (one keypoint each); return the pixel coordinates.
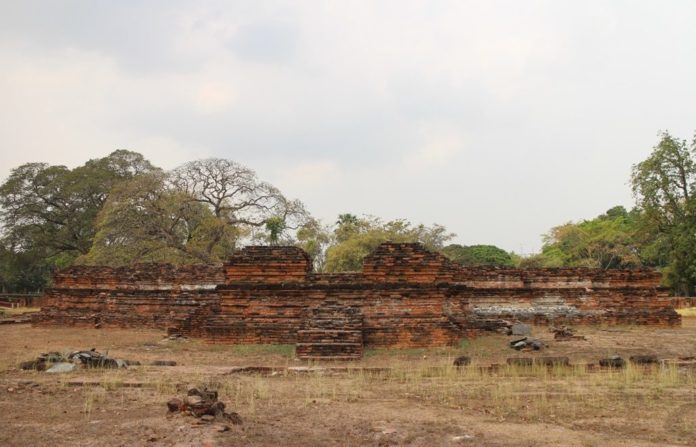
(268, 265)
(139, 277)
(393, 315)
(406, 297)
(146, 295)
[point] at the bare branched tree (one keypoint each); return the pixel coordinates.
(235, 194)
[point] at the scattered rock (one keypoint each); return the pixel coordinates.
(520, 329)
(527, 344)
(61, 367)
(614, 361)
(175, 405)
(565, 333)
(163, 363)
(87, 359)
(204, 405)
(177, 337)
(462, 361)
(94, 359)
(33, 365)
(192, 401)
(233, 417)
(644, 359)
(43, 361)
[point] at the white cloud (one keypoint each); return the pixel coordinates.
(309, 175)
(439, 144)
(498, 119)
(214, 97)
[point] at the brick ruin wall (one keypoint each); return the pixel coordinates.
(146, 295)
(405, 296)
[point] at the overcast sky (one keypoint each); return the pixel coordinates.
(497, 119)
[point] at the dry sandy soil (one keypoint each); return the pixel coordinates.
(419, 400)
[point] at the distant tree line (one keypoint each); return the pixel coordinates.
(659, 232)
(121, 209)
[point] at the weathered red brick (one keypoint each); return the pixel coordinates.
(405, 296)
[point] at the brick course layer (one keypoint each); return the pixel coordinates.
(405, 296)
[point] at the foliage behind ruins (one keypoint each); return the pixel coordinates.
(121, 209)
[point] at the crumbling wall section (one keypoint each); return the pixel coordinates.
(146, 295)
(268, 265)
(402, 315)
(407, 297)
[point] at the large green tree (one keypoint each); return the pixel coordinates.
(355, 238)
(478, 255)
(607, 241)
(664, 185)
(55, 207)
(145, 221)
(200, 212)
(47, 213)
(315, 238)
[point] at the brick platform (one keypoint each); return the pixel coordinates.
(405, 296)
(332, 331)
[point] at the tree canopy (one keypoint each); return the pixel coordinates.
(120, 209)
(200, 212)
(48, 213)
(355, 238)
(607, 241)
(664, 186)
(478, 255)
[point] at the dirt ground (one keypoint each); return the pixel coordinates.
(391, 397)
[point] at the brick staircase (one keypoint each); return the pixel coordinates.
(332, 332)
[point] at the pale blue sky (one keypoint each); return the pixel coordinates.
(496, 119)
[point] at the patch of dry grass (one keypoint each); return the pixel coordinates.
(688, 312)
(559, 394)
(15, 311)
(651, 401)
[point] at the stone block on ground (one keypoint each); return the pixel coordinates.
(61, 368)
(521, 329)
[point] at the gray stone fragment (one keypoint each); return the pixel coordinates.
(520, 329)
(193, 401)
(61, 368)
(121, 363)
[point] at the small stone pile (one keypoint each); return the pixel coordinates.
(204, 405)
(565, 333)
(44, 361)
(58, 362)
(94, 359)
(527, 344)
